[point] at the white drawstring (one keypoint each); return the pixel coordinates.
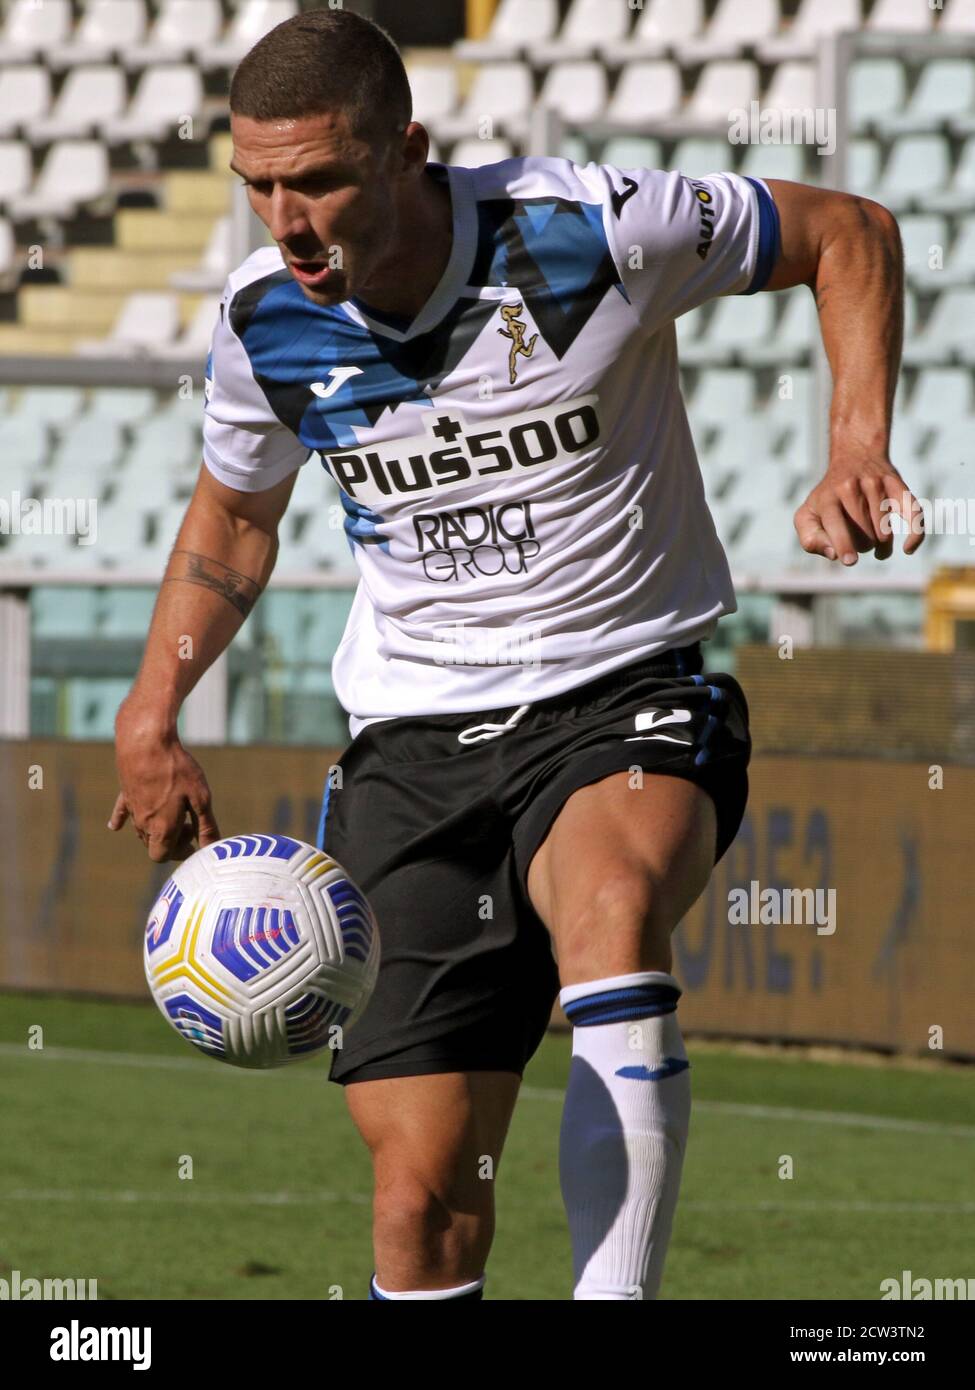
(474, 734)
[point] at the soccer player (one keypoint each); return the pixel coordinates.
(541, 776)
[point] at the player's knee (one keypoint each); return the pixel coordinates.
(432, 1232)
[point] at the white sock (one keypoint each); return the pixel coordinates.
(624, 1131)
(471, 1290)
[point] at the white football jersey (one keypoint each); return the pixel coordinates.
(522, 495)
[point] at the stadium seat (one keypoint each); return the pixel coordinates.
(722, 394)
(126, 404)
(646, 91)
(793, 336)
(691, 337)
(959, 195)
(25, 96)
(434, 88)
(940, 394)
(721, 88)
(167, 443)
(51, 405)
(24, 447)
(945, 93)
(918, 166)
(661, 26)
(90, 96)
(105, 27)
(900, 16)
(632, 152)
(735, 25)
(958, 17)
(959, 266)
(877, 90)
(950, 328)
(504, 92)
(165, 95)
(516, 27)
(576, 90)
(471, 154)
(145, 322)
(16, 169)
(737, 324)
(215, 263)
(588, 25)
(774, 162)
(921, 235)
(194, 341)
(815, 19)
(31, 28)
(74, 172)
(697, 156)
(250, 23)
(793, 85)
(180, 27)
(863, 165)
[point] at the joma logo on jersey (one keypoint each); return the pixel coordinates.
(450, 455)
(705, 206)
(515, 330)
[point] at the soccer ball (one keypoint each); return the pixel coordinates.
(260, 951)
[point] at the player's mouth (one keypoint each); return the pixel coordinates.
(314, 273)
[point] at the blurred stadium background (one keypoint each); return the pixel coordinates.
(119, 222)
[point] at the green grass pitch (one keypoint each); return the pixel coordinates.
(95, 1123)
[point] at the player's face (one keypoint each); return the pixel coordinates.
(327, 197)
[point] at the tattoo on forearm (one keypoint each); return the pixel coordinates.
(821, 297)
(236, 588)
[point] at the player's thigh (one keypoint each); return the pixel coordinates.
(442, 1133)
(620, 866)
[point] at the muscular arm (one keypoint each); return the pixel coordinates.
(221, 561)
(848, 251)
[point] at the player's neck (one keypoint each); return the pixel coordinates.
(404, 283)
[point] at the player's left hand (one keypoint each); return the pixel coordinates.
(850, 511)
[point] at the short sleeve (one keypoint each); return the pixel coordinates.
(245, 445)
(680, 241)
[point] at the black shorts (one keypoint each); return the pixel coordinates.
(439, 834)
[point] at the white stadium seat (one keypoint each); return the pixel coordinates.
(738, 323)
(577, 91)
(165, 96)
(105, 27)
(632, 152)
(697, 156)
(195, 340)
(434, 88)
(960, 262)
(922, 235)
(940, 394)
(661, 25)
(945, 92)
(503, 91)
(215, 263)
(30, 28)
(145, 322)
(518, 25)
(16, 169)
(722, 394)
(815, 20)
(181, 27)
(74, 172)
(721, 88)
(51, 405)
(473, 153)
(793, 85)
(89, 96)
(646, 91)
(918, 165)
(959, 196)
(126, 404)
(250, 23)
(774, 162)
(878, 89)
(793, 336)
(734, 25)
(958, 17)
(588, 25)
(902, 15)
(25, 96)
(862, 165)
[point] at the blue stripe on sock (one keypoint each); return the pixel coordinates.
(619, 1005)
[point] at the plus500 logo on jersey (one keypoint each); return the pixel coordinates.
(449, 455)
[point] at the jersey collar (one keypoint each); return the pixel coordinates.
(457, 271)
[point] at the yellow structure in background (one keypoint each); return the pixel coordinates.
(479, 16)
(949, 617)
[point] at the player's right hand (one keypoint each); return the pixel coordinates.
(163, 790)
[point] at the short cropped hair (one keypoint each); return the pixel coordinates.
(326, 60)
